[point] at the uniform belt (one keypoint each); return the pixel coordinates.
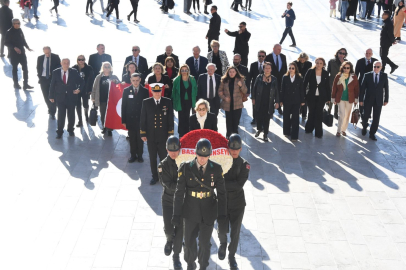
(199, 195)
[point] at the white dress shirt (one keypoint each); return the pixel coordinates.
(135, 60)
(44, 65)
(198, 62)
(67, 74)
(208, 86)
(292, 79)
(157, 100)
(318, 78)
(366, 61)
(260, 65)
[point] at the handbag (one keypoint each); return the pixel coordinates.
(244, 96)
(355, 116)
(93, 116)
(327, 116)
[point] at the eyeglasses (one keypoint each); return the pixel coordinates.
(135, 50)
(201, 109)
(81, 59)
(342, 53)
(184, 70)
(241, 26)
(291, 68)
(17, 23)
(377, 66)
(346, 67)
(262, 56)
(107, 67)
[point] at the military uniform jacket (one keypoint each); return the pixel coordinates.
(198, 210)
(131, 106)
(234, 180)
(156, 120)
(168, 176)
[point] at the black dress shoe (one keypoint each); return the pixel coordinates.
(27, 86)
(253, 122)
(103, 130)
(222, 251)
(372, 137)
(257, 133)
(59, 136)
(393, 69)
(127, 138)
(168, 248)
(17, 86)
(177, 265)
(132, 159)
(128, 17)
(364, 131)
(233, 263)
(191, 266)
(153, 181)
(140, 160)
(266, 137)
(71, 133)
(205, 12)
(109, 133)
(80, 124)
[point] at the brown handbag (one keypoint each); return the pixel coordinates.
(244, 96)
(355, 116)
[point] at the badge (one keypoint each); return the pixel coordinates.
(179, 174)
(130, 96)
(159, 169)
(248, 166)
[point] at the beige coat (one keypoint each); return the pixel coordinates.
(96, 88)
(237, 96)
(398, 21)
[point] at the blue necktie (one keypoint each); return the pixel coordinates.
(196, 66)
(376, 79)
(47, 67)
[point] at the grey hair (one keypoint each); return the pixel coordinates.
(377, 62)
(201, 102)
(46, 47)
(15, 20)
(196, 47)
(211, 64)
(137, 47)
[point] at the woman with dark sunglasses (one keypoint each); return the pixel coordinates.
(333, 68)
(291, 98)
(87, 74)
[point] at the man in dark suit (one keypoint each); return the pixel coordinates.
(198, 206)
(197, 63)
(208, 86)
(387, 40)
(241, 42)
(16, 44)
(133, 96)
(47, 63)
(66, 84)
(96, 60)
(373, 94)
(256, 68)
(364, 65)
(279, 65)
(168, 53)
(140, 61)
(214, 26)
(6, 16)
(156, 127)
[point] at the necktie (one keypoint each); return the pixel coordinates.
(211, 88)
(260, 68)
(64, 77)
(47, 67)
(201, 171)
(196, 66)
(369, 62)
(277, 62)
(376, 79)
(157, 102)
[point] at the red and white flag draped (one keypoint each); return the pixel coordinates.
(113, 111)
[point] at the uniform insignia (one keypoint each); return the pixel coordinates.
(159, 169)
(179, 174)
(248, 166)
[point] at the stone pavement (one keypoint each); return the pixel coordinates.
(335, 203)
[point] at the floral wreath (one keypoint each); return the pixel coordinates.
(218, 142)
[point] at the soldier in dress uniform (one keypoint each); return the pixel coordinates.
(131, 114)
(168, 176)
(156, 127)
(196, 202)
(234, 180)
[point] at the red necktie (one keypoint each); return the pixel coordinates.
(369, 62)
(64, 77)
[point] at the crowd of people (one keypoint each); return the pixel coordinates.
(197, 90)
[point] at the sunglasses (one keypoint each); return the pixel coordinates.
(342, 53)
(346, 67)
(241, 26)
(377, 66)
(184, 70)
(135, 50)
(291, 68)
(262, 56)
(201, 110)
(82, 59)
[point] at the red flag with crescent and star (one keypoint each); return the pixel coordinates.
(113, 111)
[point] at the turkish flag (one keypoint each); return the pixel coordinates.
(149, 86)
(113, 111)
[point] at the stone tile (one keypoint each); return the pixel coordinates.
(294, 260)
(319, 255)
(287, 227)
(342, 253)
(333, 230)
(290, 244)
(382, 248)
(307, 215)
(111, 253)
(283, 212)
(313, 233)
(370, 225)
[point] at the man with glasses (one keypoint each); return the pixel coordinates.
(16, 44)
(141, 62)
(241, 46)
(387, 40)
(47, 63)
(256, 68)
(214, 26)
(96, 60)
(373, 94)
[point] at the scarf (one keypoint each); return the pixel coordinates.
(342, 79)
(201, 119)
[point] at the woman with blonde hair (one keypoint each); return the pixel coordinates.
(101, 89)
(217, 57)
(158, 76)
(184, 95)
(203, 118)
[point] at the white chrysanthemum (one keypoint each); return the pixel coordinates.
(225, 161)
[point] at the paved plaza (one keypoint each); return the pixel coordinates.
(76, 204)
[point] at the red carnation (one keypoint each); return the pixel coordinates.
(191, 138)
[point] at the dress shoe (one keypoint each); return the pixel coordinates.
(319, 137)
(53, 116)
(103, 130)
(372, 137)
(222, 251)
(191, 266)
(110, 133)
(253, 122)
(257, 133)
(232, 263)
(153, 181)
(71, 133)
(132, 159)
(140, 160)
(266, 137)
(168, 248)
(128, 17)
(364, 131)
(249, 9)
(27, 86)
(59, 136)
(17, 86)
(280, 111)
(136, 21)
(205, 12)
(177, 265)
(80, 124)
(393, 69)
(293, 45)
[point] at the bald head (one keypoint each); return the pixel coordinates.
(277, 48)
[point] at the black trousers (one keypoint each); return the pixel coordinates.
(136, 144)
(89, 4)
(45, 84)
(3, 40)
(173, 234)
(83, 98)
(56, 4)
(154, 149)
(112, 7)
(315, 118)
(288, 30)
(303, 110)
(197, 3)
(63, 108)
(213, 106)
(244, 59)
(134, 4)
(234, 221)
(183, 117)
(209, 39)
(188, 5)
(263, 119)
(291, 124)
(232, 121)
(19, 59)
(385, 59)
(248, 4)
(370, 7)
(375, 116)
(192, 231)
(103, 108)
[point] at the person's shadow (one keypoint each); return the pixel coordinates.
(25, 108)
(60, 22)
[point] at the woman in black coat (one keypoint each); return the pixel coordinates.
(303, 64)
(86, 72)
(291, 98)
(131, 68)
(265, 97)
(158, 76)
(203, 118)
(317, 79)
(170, 70)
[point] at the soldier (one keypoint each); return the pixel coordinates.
(133, 97)
(168, 176)
(234, 180)
(156, 127)
(196, 202)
